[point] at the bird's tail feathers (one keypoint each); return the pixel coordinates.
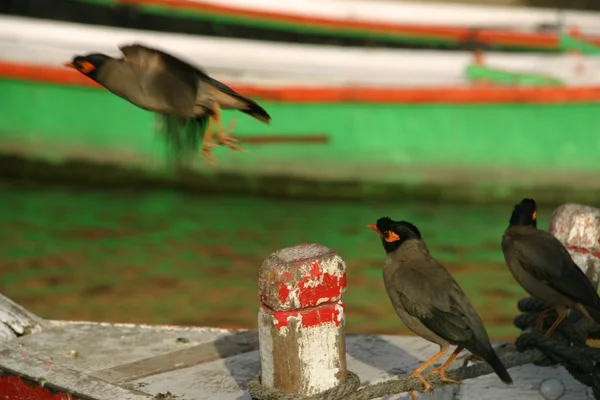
(492, 358)
(251, 107)
(254, 110)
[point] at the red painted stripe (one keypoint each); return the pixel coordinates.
(488, 36)
(493, 37)
(37, 73)
(309, 318)
(13, 388)
(446, 95)
(582, 250)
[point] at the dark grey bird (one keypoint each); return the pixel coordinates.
(429, 301)
(159, 82)
(544, 268)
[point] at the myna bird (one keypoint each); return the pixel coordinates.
(159, 82)
(545, 269)
(429, 301)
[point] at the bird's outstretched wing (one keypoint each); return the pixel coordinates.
(544, 257)
(148, 57)
(171, 83)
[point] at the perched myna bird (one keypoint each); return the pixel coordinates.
(429, 301)
(156, 81)
(545, 269)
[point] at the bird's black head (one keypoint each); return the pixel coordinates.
(394, 233)
(524, 214)
(88, 64)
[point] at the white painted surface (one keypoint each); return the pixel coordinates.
(49, 43)
(419, 13)
(266, 347)
(318, 352)
(578, 226)
(585, 230)
(374, 358)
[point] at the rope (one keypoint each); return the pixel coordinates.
(566, 346)
(351, 390)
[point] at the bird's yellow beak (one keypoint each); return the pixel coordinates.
(69, 64)
(374, 227)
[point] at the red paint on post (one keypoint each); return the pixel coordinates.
(302, 319)
(284, 292)
(315, 269)
(326, 314)
(292, 286)
(330, 287)
(583, 250)
(314, 288)
(13, 388)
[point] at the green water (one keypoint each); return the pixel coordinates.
(164, 257)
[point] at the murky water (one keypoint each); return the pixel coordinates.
(164, 257)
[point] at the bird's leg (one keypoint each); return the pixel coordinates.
(207, 143)
(542, 317)
(224, 136)
(442, 370)
(562, 313)
(417, 372)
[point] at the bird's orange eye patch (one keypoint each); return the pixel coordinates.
(534, 215)
(86, 67)
(391, 237)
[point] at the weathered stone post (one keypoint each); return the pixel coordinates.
(578, 228)
(301, 320)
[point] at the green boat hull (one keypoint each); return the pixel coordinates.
(461, 151)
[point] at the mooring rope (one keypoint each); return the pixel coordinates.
(566, 346)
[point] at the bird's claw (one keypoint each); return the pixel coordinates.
(413, 396)
(427, 386)
(442, 374)
(225, 138)
(207, 153)
(230, 142)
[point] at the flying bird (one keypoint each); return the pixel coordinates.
(429, 301)
(544, 268)
(159, 82)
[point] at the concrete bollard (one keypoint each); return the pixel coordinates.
(578, 228)
(301, 320)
